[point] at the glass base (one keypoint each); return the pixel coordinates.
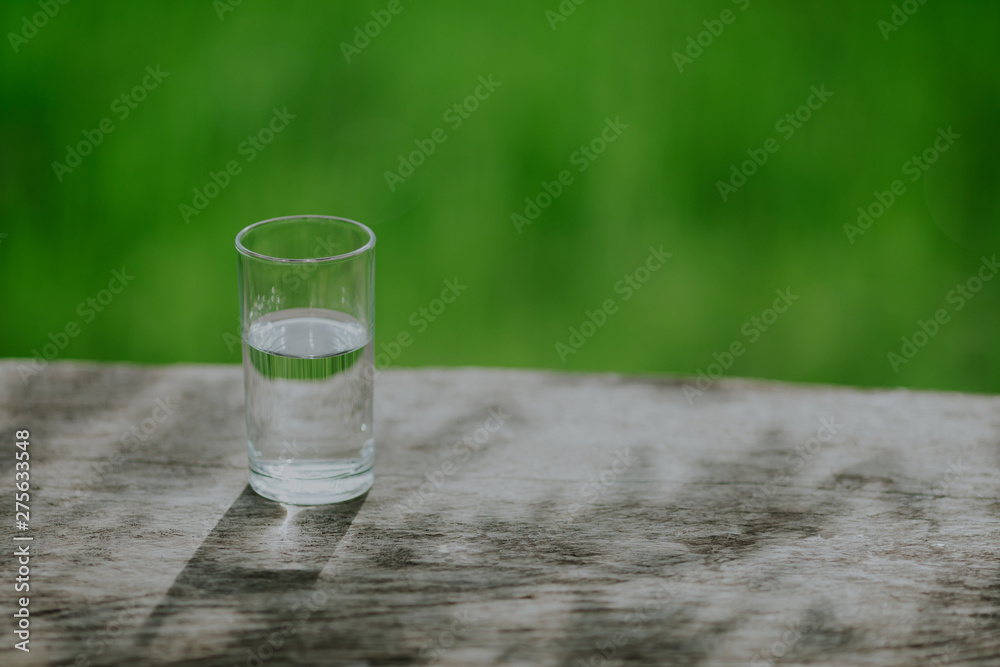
(312, 491)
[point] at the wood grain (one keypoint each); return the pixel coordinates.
(606, 521)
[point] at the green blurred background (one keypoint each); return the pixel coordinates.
(656, 185)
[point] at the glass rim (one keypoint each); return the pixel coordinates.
(243, 250)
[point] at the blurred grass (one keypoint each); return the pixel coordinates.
(655, 185)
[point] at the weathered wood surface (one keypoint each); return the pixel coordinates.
(607, 515)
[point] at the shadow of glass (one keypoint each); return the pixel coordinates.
(259, 559)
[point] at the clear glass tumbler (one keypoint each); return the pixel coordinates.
(307, 315)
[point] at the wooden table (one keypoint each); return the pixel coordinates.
(590, 519)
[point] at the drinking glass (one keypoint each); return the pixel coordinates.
(307, 316)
